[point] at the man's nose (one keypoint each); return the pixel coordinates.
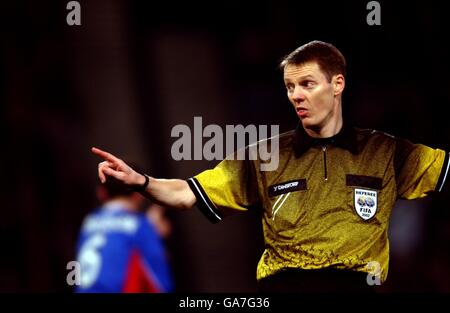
(298, 95)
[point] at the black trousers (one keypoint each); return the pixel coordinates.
(316, 281)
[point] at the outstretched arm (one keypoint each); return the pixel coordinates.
(167, 192)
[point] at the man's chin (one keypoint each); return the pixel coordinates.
(307, 123)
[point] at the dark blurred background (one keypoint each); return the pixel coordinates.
(135, 69)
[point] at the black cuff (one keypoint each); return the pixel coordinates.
(203, 202)
(143, 187)
(445, 173)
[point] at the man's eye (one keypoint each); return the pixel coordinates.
(290, 88)
(308, 84)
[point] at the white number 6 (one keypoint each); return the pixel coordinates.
(90, 260)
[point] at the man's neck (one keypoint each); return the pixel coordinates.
(332, 126)
(328, 131)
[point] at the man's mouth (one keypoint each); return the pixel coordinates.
(301, 112)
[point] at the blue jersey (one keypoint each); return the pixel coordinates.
(120, 251)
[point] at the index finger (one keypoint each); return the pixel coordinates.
(104, 155)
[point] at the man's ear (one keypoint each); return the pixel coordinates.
(338, 82)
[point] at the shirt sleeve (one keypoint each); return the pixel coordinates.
(419, 170)
(152, 250)
(229, 188)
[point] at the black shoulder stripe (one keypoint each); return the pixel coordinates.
(444, 174)
(364, 181)
(203, 202)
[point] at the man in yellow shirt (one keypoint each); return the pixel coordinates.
(325, 209)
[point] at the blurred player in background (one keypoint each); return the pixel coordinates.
(121, 247)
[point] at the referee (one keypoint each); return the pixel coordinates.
(326, 208)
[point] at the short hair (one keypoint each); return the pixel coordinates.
(328, 57)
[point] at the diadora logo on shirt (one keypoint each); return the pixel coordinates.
(365, 203)
(286, 187)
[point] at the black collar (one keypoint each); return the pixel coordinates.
(346, 138)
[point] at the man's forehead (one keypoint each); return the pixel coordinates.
(302, 70)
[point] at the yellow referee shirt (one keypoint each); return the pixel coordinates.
(329, 201)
